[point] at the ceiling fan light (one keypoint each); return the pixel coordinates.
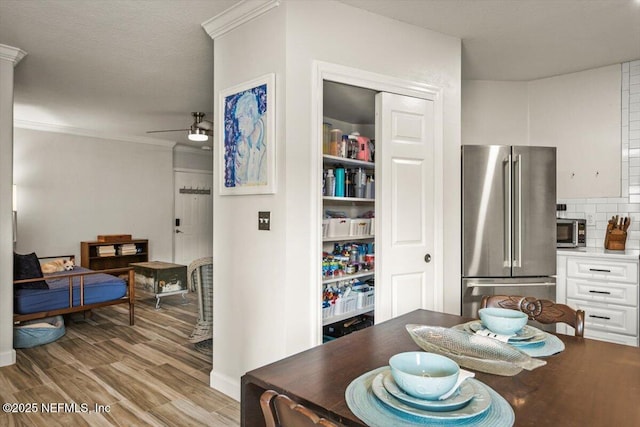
(197, 135)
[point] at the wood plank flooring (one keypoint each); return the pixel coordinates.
(146, 375)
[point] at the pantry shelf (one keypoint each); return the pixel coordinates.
(345, 316)
(348, 199)
(336, 160)
(348, 277)
(347, 238)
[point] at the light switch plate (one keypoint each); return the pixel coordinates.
(264, 220)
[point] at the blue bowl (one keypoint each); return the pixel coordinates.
(424, 375)
(502, 321)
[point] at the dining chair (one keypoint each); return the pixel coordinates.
(542, 310)
(280, 411)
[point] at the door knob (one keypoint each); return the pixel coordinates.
(178, 231)
(427, 258)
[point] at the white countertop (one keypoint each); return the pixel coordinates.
(628, 254)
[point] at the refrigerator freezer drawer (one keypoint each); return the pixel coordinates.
(607, 317)
(604, 292)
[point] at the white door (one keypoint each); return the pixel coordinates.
(193, 227)
(405, 206)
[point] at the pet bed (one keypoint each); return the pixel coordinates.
(38, 332)
(73, 291)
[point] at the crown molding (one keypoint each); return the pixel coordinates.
(237, 15)
(47, 127)
(11, 54)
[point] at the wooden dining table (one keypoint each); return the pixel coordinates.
(590, 383)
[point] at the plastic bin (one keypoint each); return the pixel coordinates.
(366, 299)
(359, 227)
(339, 227)
(339, 329)
(328, 311)
(346, 305)
(325, 228)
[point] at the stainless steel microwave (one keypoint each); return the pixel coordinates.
(571, 233)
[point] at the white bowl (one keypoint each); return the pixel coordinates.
(424, 375)
(502, 321)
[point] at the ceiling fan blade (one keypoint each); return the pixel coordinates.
(168, 130)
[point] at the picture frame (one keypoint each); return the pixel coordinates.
(247, 137)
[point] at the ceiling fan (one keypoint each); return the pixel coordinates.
(199, 131)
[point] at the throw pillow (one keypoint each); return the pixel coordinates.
(28, 267)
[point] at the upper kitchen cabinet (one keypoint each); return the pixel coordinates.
(580, 114)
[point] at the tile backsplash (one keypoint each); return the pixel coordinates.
(602, 209)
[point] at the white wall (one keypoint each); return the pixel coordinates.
(265, 298)
(494, 113)
(9, 57)
(192, 158)
(72, 188)
(250, 317)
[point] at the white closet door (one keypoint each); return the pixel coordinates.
(193, 238)
(405, 207)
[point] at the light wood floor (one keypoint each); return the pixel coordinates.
(148, 374)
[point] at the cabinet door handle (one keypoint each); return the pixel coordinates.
(600, 270)
(600, 317)
(600, 292)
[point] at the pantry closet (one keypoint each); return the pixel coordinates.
(381, 199)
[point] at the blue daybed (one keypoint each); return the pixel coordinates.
(73, 291)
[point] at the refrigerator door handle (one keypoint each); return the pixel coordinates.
(505, 285)
(507, 213)
(517, 226)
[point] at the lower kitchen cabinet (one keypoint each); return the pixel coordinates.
(605, 286)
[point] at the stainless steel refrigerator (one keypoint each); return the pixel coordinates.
(508, 222)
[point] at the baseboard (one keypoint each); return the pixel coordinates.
(226, 385)
(8, 358)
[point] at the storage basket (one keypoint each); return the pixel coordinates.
(359, 227)
(366, 299)
(346, 305)
(339, 227)
(328, 311)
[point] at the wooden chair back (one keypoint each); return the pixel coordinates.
(280, 411)
(542, 310)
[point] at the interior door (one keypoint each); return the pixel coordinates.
(193, 227)
(405, 207)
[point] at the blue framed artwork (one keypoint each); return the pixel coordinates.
(247, 152)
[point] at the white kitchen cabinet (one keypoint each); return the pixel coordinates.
(604, 285)
(579, 113)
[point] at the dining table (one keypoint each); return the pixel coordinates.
(588, 383)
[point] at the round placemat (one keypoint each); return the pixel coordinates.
(366, 406)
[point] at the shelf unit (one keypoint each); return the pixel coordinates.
(89, 257)
(353, 208)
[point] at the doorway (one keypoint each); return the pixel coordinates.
(409, 139)
(193, 226)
